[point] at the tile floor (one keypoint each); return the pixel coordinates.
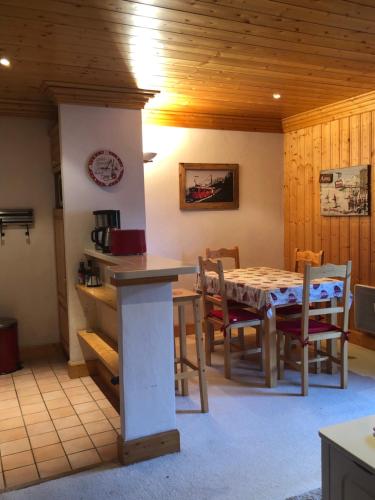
(51, 425)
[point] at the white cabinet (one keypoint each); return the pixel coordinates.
(347, 461)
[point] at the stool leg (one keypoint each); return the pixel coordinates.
(200, 357)
(176, 384)
(182, 331)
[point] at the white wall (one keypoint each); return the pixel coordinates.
(84, 130)
(27, 271)
(257, 227)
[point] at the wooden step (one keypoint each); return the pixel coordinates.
(104, 348)
(105, 294)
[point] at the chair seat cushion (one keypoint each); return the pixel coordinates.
(236, 315)
(293, 326)
(288, 310)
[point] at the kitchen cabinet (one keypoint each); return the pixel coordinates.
(62, 298)
(58, 225)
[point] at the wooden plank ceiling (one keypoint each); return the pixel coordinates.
(216, 63)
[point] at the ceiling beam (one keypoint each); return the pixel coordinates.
(97, 95)
(212, 121)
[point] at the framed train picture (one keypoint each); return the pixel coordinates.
(345, 191)
(209, 186)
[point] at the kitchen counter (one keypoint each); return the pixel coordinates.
(130, 267)
(143, 301)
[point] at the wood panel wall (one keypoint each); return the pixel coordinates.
(340, 142)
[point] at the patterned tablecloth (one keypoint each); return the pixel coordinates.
(264, 287)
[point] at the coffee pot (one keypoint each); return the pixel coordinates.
(101, 236)
(105, 220)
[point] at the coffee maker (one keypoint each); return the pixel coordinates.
(105, 220)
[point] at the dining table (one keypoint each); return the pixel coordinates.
(266, 289)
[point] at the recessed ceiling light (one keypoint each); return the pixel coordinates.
(276, 95)
(5, 62)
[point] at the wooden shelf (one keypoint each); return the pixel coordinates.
(104, 348)
(104, 294)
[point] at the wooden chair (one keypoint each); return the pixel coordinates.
(188, 369)
(232, 253)
(301, 257)
(219, 316)
(308, 331)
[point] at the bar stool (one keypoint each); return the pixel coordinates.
(183, 297)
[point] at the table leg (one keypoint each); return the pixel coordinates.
(270, 365)
(176, 382)
(332, 344)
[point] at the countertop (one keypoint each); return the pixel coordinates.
(355, 437)
(141, 266)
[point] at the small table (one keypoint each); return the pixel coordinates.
(265, 289)
(348, 460)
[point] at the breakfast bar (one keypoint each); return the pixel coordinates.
(143, 286)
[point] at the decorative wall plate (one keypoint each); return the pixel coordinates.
(105, 168)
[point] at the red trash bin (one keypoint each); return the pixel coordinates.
(9, 353)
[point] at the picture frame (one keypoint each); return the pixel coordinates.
(209, 186)
(345, 192)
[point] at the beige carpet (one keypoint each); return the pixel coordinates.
(255, 444)
(310, 495)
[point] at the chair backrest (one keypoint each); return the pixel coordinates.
(221, 253)
(326, 271)
(209, 300)
(301, 257)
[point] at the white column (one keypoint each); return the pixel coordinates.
(146, 360)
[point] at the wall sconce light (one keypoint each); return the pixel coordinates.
(148, 157)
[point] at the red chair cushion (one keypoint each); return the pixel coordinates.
(287, 310)
(293, 326)
(237, 315)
